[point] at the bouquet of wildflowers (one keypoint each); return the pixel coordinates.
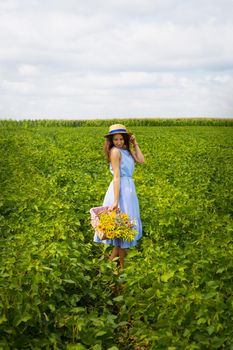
(113, 224)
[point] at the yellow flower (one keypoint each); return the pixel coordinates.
(117, 225)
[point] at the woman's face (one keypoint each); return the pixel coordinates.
(118, 140)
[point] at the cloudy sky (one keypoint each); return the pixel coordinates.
(116, 58)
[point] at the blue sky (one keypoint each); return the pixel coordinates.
(72, 59)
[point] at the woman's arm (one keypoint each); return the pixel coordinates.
(115, 160)
(137, 154)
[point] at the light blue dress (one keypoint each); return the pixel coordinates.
(128, 200)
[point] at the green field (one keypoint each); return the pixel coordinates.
(58, 290)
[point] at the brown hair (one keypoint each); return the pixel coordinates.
(108, 145)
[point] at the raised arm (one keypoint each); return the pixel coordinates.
(115, 160)
(137, 153)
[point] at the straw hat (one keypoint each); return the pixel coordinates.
(116, 129)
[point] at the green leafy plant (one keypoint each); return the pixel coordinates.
(58, 290)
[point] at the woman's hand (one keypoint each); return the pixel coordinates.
(114, 206)
(133, 139)
(137, 153)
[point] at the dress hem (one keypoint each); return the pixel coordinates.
(120, 244)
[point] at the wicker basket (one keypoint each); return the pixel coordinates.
(95, 212)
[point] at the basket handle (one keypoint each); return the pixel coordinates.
(106, 210)
(102, 211)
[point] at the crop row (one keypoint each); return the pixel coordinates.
(134, 122)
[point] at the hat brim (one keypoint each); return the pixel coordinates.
(116, 132)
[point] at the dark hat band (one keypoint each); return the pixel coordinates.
(117, 130)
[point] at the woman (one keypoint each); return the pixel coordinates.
(121, 192)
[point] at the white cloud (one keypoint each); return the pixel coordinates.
(17, 87)
(28, 70)
(127, 58)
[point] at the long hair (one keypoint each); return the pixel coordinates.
(108, 145)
